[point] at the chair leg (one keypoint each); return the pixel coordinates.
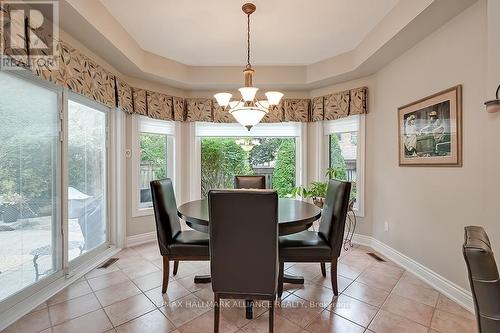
(281, 278)
(323, 269)
(216, 313)
(166, 271)
(333, 277)
(271, 316)
(176, 266)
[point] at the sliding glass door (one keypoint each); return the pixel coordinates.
(87, 181)
(29, 182)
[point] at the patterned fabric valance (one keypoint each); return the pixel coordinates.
(340, 104)
(83, 75)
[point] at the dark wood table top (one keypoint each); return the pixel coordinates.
(293, 215)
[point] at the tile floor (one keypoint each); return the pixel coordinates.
(126, 297)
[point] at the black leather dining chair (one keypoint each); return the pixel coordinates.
(250, 182)
(326, 244)
(243, 246)
(483, 278)
(174, 243)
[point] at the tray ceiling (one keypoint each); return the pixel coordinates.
(213, 33)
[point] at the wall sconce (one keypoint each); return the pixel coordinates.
(493, 105)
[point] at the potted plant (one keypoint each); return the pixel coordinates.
(316, 190)
(11, 202)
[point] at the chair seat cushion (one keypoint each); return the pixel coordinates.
(190, 243)
(304, 245)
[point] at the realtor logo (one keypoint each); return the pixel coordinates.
(29, 32)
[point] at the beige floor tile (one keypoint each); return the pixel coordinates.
(234, 311)
(370, 295)
(31, 323)
(375, 277)
(40, 307)
(342, 282)
(185, 309)
(409, 278)
(102, 271)
(139, 269)
(299, 311)
(322, 296)
(128, 309)
(347, 271)
(386, 322)
(446, 304)
(187, 268)
(330, 322)
(390, 269)
(417, 293)
(306, 270)
(149, 281)
(174, 292)
(74, 290)
(130, 261)
(188, 283)
(261, 325)
(205, 323)
(107, 280)
(93, 322)
(409, 309)
(48, 330)
(153, 321)
(446, 322)
(76, 307)
(205, 294)
(359, 312)
(116, 293)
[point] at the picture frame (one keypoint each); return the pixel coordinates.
(430, 130)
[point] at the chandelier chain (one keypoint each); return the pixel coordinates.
(248, 41)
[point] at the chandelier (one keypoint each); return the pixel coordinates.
(248, 110)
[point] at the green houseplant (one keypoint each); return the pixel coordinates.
(315, 190)
(11, 202)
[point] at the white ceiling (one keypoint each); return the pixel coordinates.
(213, 32)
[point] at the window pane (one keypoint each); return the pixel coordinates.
(28, 201)
(153, 164)
(224, 158)
(87, 178)
(343, 157)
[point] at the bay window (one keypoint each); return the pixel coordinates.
(153, 150)
(345, 154)
(227, 150)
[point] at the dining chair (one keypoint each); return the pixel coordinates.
(483, 278)
(250, 182)
(243, 246)
(324, 245)
(174, 243)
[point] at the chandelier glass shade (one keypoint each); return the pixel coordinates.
(248, 110)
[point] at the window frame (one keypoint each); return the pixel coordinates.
(336, 126)
(141, 124)
(198, 130)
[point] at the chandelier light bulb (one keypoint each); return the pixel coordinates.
(274, 97)
(248, 93)
(223, 99)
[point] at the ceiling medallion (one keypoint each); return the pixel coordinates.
(248, 110)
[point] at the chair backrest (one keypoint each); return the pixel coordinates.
(165, 208)
(483, 278)
(243, 241)
(335, 208)
(250, 182)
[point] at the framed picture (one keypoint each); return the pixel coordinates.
(430, 130)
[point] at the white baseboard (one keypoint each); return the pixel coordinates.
(441, 284)
(141, 238)
(23, 307)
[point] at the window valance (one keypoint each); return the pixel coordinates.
(83, 75)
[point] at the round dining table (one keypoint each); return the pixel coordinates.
(293, 216)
